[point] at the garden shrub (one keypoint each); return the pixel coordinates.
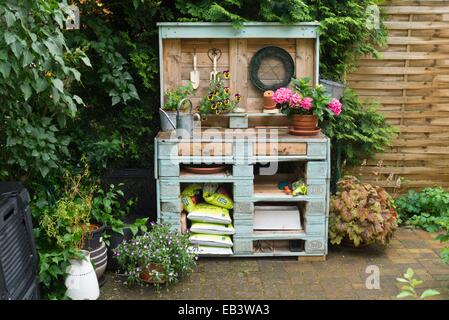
(427, 209)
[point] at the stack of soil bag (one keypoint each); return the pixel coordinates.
(208, 208)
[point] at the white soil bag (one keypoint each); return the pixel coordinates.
(212, 228)
(212, 240)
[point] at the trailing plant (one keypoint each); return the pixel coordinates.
(37, 71)
(305, 99)
(174, 96)
(409, 285)
(219, 98)
(361, 213)
(162, 255)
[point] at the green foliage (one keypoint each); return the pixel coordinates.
(163, 254)
(409, 285)
(218, 99)
(36, 75)
(361, 213)
(347, 30)
(427, 209)
(174, 96)
(360, 130)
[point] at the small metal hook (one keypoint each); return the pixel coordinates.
(212, 53)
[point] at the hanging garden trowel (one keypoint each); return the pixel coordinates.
(195, 74)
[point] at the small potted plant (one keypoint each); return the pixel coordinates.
(172, 98)
(156, 257)
(219, 98)
(361, 214)
(306, 105)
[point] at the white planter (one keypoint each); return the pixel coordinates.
(81, 281)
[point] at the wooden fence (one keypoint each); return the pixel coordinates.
(411, 82)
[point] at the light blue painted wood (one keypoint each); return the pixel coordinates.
(167, 169)
(201, 30)
(316, 187)
(169, 189)
(171, 206)
(242, 207)
(242, 245)
(238, 122)
(316, 246)
(243, 189)
(245, 171)
(315, 149)
(167, 150)
(317, 170)
(316, 207)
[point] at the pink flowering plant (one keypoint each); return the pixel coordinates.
(304, 99)
(170, 251)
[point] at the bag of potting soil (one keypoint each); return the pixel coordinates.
(190, 196)
(204, 212)
(213, 251)
(218, 196)
(212, 228)
(212, 240)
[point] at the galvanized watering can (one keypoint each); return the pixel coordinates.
(184, 121)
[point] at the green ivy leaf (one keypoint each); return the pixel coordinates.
(429, 293)
(404, 294)
(26, 90)
(58, 84)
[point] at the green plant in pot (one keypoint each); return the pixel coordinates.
(306, 105)
(158, 256)
(173, 97)
(219, 98)
(361, 214)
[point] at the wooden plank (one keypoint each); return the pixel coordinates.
(415, 25)
(205, 149)
(281, 148)
(415, 9)
(305, 59)
(417, 40)
(172, 61)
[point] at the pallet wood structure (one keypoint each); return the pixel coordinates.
(245, 151)
(410, 81)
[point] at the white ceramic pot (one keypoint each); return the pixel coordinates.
(81, 281)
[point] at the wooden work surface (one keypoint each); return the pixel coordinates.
(251, 134)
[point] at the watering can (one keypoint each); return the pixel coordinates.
(184, 121)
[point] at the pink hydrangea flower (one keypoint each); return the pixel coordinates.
(335, 106)
(295, 100)
(282, 95)
(306, 103)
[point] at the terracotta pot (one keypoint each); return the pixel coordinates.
(268, 102)
(304, 122)
(145, 275)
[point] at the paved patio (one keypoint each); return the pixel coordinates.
(342, 276)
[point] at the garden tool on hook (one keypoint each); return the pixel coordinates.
(214, 55)
(195, 74)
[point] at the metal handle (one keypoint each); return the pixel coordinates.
(181, 103)
(168, 118)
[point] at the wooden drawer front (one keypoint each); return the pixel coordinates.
(169, 190)
(171, 206)
(316, 207)
(168, 169)
(317, 149)
(243, 245)
(243, 189)
(205, 149)
(242, 171)
(316, 187)
(317, 170)
(281, 148)
(315, 246)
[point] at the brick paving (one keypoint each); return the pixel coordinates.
(341, 276)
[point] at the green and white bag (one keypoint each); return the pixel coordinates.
(212, 240)
(213, 251)
(204, 212)
(212, 228)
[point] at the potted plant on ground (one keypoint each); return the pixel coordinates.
(158, 256)
(361, 214)
(306, 105)
(172, 98)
